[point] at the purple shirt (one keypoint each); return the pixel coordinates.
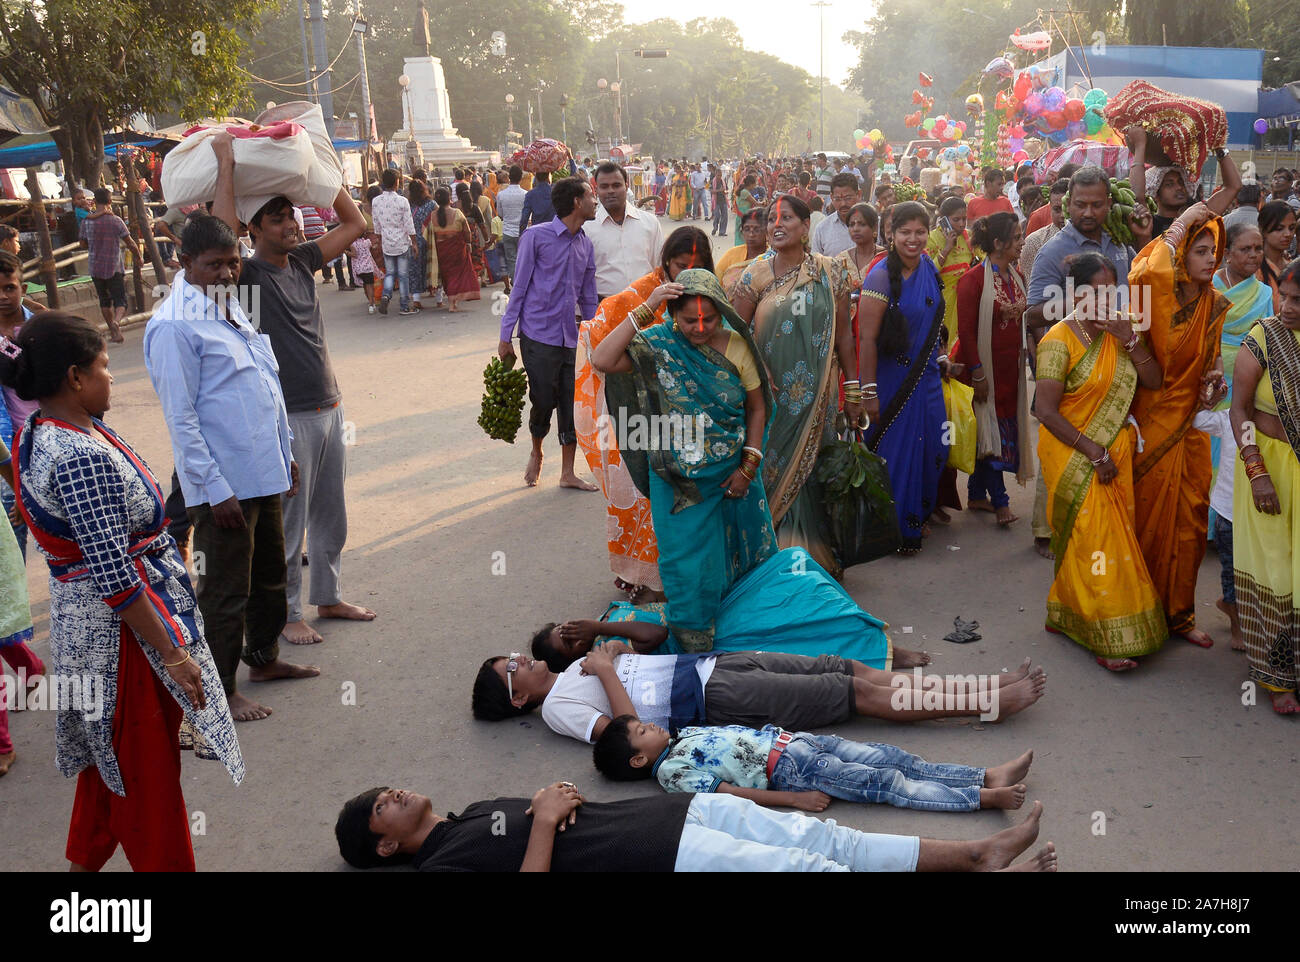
(555, 275)
(103, 236)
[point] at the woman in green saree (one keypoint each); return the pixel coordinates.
(798, 304)
(690, 402)
(745, 202)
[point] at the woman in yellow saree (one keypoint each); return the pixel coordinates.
(679, 196)
(630, 533)
(1266, 495)
(949, 247)
(1174, 277)
(1089, 368)
(732, 264)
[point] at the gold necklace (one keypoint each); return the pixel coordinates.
(1087, 338)
(780, 281)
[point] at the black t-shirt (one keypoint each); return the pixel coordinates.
(1160, 224)
(633, 835)
(288, 312)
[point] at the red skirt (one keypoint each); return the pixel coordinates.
(150, 822)
(454, 264)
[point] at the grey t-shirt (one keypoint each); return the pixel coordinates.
(288, 312)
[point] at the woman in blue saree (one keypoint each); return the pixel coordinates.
(900, 318)
(690, 403)
(789, 603)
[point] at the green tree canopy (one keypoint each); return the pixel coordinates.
(89, 65)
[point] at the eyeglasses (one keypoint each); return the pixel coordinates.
(512, 666)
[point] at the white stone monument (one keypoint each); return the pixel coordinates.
(426, 111)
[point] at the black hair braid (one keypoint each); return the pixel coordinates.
(892, 339)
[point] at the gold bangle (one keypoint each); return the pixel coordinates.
(179, 663)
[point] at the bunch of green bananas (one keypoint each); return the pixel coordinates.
(503, 402)
(906, 192)
(1122, 201)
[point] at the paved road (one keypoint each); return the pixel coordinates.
(1186, 777)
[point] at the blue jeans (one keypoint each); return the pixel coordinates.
(398, 265)
(1223, 545)
(987, 483)
(720, 211)
(872, 772)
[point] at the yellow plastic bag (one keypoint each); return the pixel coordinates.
(957, 401)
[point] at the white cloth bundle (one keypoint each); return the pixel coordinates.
(302, 166)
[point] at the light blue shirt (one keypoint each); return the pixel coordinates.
(220, 391)
(1047, 284)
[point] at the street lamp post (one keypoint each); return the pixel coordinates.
(564, 120)
(510, 117)
(821, 73)
(645, 54)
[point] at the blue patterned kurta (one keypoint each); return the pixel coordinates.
(701, 759)
(96, 513)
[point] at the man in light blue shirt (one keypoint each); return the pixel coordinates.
(1084, 232)
(218, 382)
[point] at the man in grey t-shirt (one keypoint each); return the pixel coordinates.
(281, 273)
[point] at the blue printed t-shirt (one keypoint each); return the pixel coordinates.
(703, 758)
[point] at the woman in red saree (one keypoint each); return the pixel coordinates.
(1174, 277)
(448, 235)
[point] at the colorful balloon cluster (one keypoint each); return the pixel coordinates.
(1035, 103)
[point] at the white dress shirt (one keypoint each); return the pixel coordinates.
(624, 252)
(831, 236)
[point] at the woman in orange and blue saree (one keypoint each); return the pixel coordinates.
(1090, 365)
(1174, 279)
(630, 533)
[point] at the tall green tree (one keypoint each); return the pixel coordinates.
(1178, 23)
(90, 65)
(546, 43)
(951, 40)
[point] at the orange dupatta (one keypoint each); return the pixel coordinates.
(1171, 476)
(633, 548)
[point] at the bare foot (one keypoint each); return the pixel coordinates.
(245, 709)
(534, 469)
(1009, 797)
(278, 669)
(1238, 639)
(1284, 703)
(641, 595)
(982, 504)
(1198, 638)
(1011, 677)
(300, 633)
(925, 531)
(906, 658)
(1005, 518)
(998, 852)
(346, 611)
(1044, 860)
(1044, 547)
(1008, 773)
(1117, 664)
(576, 483)
(1016, 697)
(940, 516)
(6, 762)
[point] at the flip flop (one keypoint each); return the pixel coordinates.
(1125, 664)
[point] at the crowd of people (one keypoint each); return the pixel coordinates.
(1164, 377)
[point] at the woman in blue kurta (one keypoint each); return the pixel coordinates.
(789, 603)
(900, 318)
(693, 404)
(125, 631)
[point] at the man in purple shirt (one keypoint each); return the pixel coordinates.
(555, 286)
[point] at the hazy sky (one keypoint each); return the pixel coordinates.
(783, 28)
